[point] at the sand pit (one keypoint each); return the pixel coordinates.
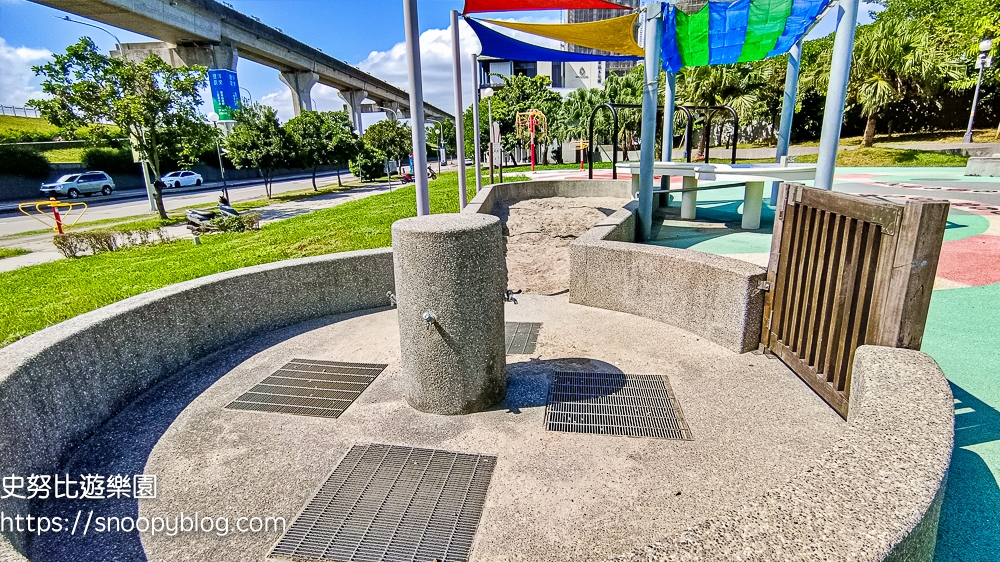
(538, 233)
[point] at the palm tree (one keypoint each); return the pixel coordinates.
(894, 58)
(734, 85)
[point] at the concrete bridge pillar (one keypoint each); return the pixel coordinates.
(354, 99)
(301, 83)
(222, 57)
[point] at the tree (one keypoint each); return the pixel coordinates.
(518, 94)
(368, 164)
(894, 58)
(322, 138)
(259, 141)
(145, 100)
(390, 137)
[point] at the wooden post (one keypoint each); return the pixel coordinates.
(913, 267)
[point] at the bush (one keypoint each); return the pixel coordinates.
(241, 223)
(369, 165)
(22, 161)
(110, 160)
(74, 244)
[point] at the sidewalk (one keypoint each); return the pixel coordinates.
(42, 250)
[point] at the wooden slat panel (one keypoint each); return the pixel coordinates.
(801, 270)
(836, 243)
(779, 243)
(863, 209)
(841, 305)
(795, 252)
(861, 304)
(801, 338)
(816, 291)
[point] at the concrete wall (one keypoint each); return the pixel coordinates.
(874, 495)
(712, 296)
(59, 385)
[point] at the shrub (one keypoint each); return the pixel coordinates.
(74, 244)
(21, 161)
(110, 160)
(242, 223)
(369, 165)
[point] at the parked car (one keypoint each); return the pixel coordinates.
(182, 178)
(75, 185)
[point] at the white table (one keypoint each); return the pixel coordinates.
(753, 176)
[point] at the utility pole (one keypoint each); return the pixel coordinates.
(416, 106)
(982, 63)
(477, 157)
(456, 54)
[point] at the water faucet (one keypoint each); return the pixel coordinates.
(429, 319)
(392, 298)
(509, 296)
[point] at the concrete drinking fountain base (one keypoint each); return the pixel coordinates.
(554, 495)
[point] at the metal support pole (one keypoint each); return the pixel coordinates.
(416, 106)
(787, 109)
(478, 156)
(456, 53)
(222, 170)
(654, 31)
(975, 101)
(836, 96)
(669, 100)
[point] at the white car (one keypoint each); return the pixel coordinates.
(75, 185)
(182, 179)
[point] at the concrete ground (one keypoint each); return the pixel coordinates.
(962, 331)
(554, 496)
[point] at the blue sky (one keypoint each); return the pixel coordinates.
(367, 34)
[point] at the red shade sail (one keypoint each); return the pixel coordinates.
(479, 6)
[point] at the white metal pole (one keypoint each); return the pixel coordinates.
(416, 106)
(477, 157)
(836, 95)
(669, 101)
(653, 36)
(456, 55)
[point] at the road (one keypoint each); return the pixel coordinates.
(134, 202)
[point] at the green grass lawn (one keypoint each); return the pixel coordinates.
(27, 124)
(11, 252)
(66, 155)
(34, 297)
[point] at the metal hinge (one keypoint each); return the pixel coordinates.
(763, 285)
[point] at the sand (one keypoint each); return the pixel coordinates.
(538, 233)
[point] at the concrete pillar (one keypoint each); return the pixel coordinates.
(301, 84)
(836, 94)
(654, 33)
(451, 276)
(353, 98)
(223, 57)
(787, 110)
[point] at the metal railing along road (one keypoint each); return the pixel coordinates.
(19, 111)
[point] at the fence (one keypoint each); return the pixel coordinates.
(19, 111)
(847, 271)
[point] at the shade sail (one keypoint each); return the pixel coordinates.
(479, 6)
(701, 33)
(497, 45)
(614, 35)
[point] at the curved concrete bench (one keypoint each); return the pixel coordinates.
(874, 495)
(60, 384)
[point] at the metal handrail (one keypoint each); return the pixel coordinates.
(614, 135)
(710, 111)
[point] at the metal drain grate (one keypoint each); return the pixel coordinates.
(310, 388)
(520, 338)
(614, 404)
(390, 503)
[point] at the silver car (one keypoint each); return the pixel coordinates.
(75, 185)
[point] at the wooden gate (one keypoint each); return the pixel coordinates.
(846, 271)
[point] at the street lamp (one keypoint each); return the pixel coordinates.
(982, 63)
(488, 93)
(115, 37)
(440, 140)
(214, 118)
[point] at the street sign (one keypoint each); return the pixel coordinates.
(225, 92)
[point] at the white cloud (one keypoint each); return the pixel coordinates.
(18, 83)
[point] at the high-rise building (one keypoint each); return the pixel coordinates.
(586, 16)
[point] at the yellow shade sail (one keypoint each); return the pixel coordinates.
(614, 35)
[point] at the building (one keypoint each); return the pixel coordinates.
(586, 16)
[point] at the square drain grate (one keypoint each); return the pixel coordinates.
(390, 503)
(310, 388)
(614, 404)
(521, 337)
